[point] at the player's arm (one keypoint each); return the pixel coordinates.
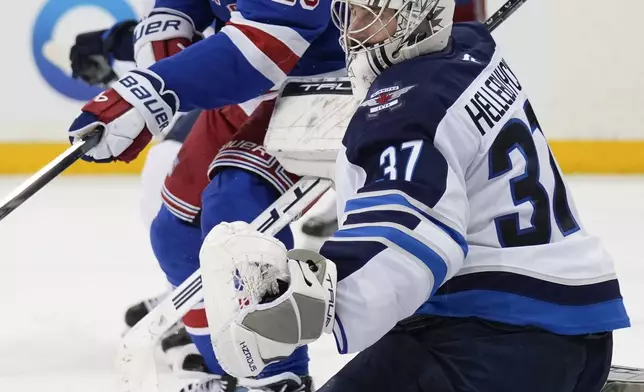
(198, 11)
(102, 56)
(250, 55)
(403, 233)
(170, 27)
(253, 53)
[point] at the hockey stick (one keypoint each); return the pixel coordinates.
(503, 13)
(624, 379)
(136, 353)
(43, 176)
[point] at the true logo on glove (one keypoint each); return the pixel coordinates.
(150, 103)
(330, 312)
(249, 356)
(326, 86)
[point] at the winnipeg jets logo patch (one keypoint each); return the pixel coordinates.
(385, 98)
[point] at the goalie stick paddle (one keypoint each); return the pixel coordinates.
(135, 359)
(43, 176)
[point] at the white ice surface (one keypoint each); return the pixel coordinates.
(76, 255)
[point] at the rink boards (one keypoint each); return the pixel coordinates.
(574, 156)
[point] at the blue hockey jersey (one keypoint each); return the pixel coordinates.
(452, 204)
(259, 43)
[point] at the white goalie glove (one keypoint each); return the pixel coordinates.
(261, 301)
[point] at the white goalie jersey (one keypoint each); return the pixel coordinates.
(452, 204)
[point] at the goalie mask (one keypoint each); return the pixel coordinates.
(376, 34)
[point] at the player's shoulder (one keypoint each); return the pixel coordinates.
(436, 78)
(415, 95)
(286, 14)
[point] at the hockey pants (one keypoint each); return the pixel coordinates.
(440, 354)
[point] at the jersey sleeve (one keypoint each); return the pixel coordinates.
(403, 232)
(251, 54)
(198, 10)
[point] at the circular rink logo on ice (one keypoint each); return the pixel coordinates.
(52, 58)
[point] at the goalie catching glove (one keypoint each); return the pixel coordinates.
(261, 301)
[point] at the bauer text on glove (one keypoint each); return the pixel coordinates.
(136, 107)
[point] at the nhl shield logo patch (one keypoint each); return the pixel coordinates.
(385, 98)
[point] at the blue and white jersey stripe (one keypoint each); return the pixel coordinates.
(386, 234)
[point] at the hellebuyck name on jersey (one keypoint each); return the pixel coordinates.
(494, 98)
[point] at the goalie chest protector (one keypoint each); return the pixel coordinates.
(308, 123)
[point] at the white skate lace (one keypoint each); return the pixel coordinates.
(255, 280)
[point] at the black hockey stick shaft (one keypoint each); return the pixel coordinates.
(41, 178)
(503, 13)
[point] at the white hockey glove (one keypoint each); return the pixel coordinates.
(137, 107)
(261, 301)
(163, 33)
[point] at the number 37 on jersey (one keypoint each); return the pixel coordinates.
(522, 166)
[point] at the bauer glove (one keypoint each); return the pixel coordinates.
(136, 108)
(163, 33)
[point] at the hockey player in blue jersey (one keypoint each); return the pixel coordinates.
(260, 44)
(462, 264)
(98, 58)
